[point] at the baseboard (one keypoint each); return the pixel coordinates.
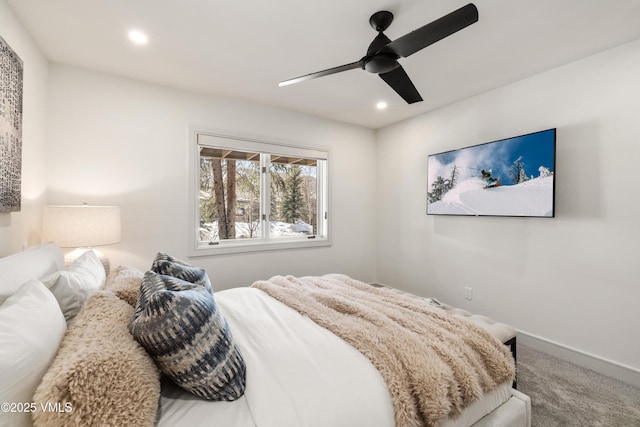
(626, 374)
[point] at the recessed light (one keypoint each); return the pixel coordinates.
(138, 37)
(381, 105)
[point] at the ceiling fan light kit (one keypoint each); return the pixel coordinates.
(383, 54)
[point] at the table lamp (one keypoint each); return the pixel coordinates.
(82, 227)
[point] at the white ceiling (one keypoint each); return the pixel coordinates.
(242, 49)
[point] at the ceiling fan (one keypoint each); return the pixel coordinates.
(383, 54)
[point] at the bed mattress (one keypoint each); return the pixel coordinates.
(298, 374)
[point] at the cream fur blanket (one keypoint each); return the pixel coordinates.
(434, 364)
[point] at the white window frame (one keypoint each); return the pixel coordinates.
(202, 138)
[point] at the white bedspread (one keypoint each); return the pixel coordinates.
(298, 375)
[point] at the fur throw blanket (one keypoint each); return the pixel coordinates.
(434, 364)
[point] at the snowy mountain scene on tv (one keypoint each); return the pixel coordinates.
(509, 177)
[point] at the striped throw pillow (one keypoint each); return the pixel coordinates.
(180, 326)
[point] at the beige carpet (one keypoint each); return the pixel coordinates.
(563, 394)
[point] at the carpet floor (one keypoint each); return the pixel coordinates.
(563, 394)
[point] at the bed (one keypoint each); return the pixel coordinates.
(68, 355)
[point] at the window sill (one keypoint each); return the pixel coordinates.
(237, 246)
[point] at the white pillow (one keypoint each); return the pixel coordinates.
(32, 329)
(71, 287)
(34, 263)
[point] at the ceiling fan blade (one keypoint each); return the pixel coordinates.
(327, 72)
(402, 84)
(434, 31)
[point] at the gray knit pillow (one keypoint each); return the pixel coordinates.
(180, 326)
(171, 266)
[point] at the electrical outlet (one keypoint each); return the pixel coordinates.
(468, 293)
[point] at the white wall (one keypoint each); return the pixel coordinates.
(119, 141)
(572, 280)
(18, 229)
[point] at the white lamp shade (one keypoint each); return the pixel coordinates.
(76, 226)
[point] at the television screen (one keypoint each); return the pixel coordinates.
(509, 177)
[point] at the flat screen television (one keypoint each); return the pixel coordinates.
(509, 177)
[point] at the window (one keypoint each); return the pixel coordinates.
(250, 195)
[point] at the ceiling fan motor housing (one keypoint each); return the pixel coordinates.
(377, 60)
(382, 63)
